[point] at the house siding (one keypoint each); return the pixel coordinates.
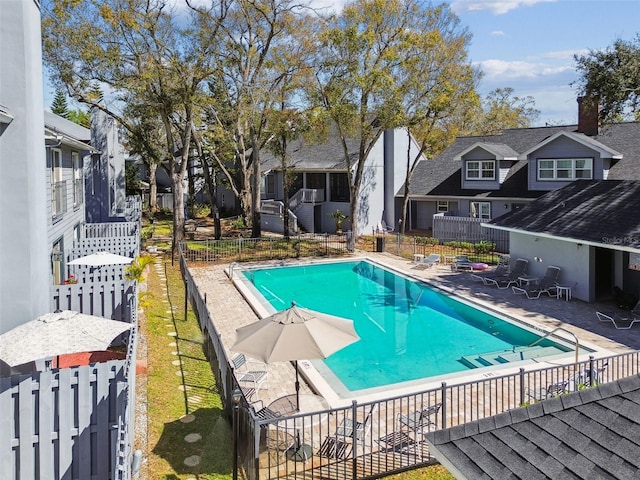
(574, 259)
(23, 257)
(62, 225)
(562, 147)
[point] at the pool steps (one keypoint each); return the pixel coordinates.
(505, 356)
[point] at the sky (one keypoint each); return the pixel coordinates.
(529, 45)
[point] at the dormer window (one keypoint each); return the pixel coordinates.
(565, 169)
(480, 170)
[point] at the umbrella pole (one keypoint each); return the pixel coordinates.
(297, 389)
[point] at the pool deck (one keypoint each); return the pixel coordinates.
(230, 310)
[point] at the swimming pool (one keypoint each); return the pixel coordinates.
(408, 330)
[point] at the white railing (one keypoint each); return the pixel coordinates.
(306, 195)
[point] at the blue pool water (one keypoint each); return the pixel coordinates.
(408, 331)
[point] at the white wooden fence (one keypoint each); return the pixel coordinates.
(468, 229)
(116, 229)
(117, 300)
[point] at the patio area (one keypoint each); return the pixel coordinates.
(231, 311)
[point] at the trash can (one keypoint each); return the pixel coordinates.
(379, 244)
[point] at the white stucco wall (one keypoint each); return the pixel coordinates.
(573, 259)
(24, 280)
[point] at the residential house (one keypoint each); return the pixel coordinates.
(320, 183)
(67, 147)
(487, 176)
(589, 228)
(74, 422)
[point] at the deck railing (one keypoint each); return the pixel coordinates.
(320, 445)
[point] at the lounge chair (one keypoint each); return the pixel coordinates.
(586, 378)
(340, 444)
(622, 320)
(500, 271)
(429, 261)
(421, 421)
(461, 263)
(552, 390)
(505, 281)
(252, 375)
(546, 284)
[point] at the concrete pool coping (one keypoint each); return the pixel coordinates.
(231, 310)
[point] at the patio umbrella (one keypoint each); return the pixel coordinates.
(295, 334)
(99, 259)
(56, 334)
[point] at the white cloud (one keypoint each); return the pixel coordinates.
(498, 33)
(497, 7)
(564, 54)
(502, 69)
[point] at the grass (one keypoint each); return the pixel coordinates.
(177, 390)
(172, 389)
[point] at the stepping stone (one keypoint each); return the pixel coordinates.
(173, 344)
(176, 363)
(173, 334)
(184, 388)
(174, 353)
(192, 461)
(192, 437)
(179, 373)
(194, 399)
(187, 418)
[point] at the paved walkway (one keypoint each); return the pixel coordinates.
(230, 311)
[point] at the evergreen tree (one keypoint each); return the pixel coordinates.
(59, 105)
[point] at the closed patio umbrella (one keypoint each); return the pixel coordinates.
(100, 259)
(56, 334)
(295, 334)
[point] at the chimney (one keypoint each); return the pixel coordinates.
(588, 116)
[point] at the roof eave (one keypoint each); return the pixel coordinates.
(580, 241)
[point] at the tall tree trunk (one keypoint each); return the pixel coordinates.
(153, 188)
(255, 191)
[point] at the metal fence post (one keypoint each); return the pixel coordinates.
(354, 440)
(521, 386)
(443, 409)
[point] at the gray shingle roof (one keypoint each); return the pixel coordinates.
(589, 434)
(585, 210)
(312, 154)
(441, 176)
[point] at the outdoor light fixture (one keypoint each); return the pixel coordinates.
(236, 396)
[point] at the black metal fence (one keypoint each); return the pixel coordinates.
(409, 246)
(374, 439)
(267, 248)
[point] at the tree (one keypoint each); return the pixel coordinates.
(386, 64)
(59, 105)
(501, 110)
(246, 47)
(137, 49)
(612, 77)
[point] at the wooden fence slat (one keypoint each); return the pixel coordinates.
(7, 428)
(85, 406)
(66, 407)
(26, 430)
(102, 422)
(46, 452)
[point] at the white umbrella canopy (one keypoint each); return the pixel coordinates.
(99, 259)
(58, 333)
(295, 334)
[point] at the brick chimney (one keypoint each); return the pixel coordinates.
(588, 116)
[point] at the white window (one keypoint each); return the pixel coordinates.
(481, 170)
(443, 206)
(565, 169)
(77, 178)
(481, 210)
(58, 187)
